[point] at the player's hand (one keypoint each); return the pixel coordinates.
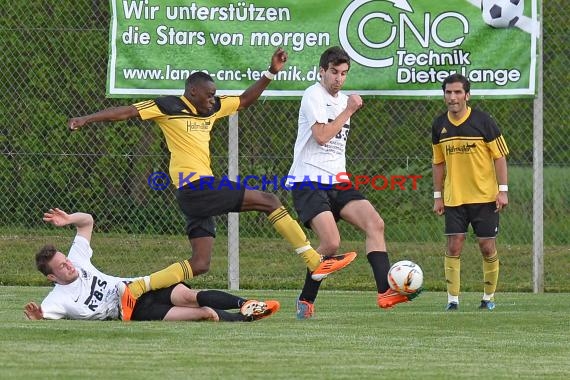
(33, 312)
(75, 123)
(438, 207)
(278, 61)
(354, 103)
(57, 217)
(501, 201)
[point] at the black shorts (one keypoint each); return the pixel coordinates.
(310, 199)
(481, 216)
(205, 198)
(154, 305)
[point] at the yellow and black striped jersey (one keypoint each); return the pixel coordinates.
(186, 132)
(468, 148)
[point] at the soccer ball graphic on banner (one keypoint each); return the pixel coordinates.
(405, 277)
(502, 13)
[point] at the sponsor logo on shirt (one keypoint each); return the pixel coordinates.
(462, 149)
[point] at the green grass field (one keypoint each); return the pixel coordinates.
(525, 337)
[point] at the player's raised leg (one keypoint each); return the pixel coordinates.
(129, 293)
(290, 230)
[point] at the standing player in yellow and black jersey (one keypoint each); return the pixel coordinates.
(470, 184)
(186, 122)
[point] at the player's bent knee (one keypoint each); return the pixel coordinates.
(198, 269)
(375, 226)
(380, 224)
(260, 201)
(329, 248)
(272, 201)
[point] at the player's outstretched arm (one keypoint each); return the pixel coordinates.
(108, 114)
(83, 222)
(253, 92)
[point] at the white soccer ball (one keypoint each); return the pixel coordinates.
(502, 13)
(405, 277)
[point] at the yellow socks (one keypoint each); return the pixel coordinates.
(290, 230)
(311, 258)
(164, 278)
(490, 274)
(452, 274)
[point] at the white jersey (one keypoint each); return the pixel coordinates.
(311, 161)
(93, 295)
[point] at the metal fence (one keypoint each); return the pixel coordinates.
(54, 62)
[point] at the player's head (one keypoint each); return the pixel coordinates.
(200, 90)
(457, 78)
(333, 68)
(456, 93)
(334, 56)
(55, 265)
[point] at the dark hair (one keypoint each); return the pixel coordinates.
(335, 55)
(43, 257)
(454, 78)
(196, 78)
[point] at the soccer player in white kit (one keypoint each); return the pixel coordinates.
(82, 291)
(321, 195)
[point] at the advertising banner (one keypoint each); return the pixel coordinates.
(399, 48)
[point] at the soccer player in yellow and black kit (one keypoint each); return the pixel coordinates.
(186, 122)
(469, 153)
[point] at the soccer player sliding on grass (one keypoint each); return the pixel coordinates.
(81, 291)
(186, 122)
